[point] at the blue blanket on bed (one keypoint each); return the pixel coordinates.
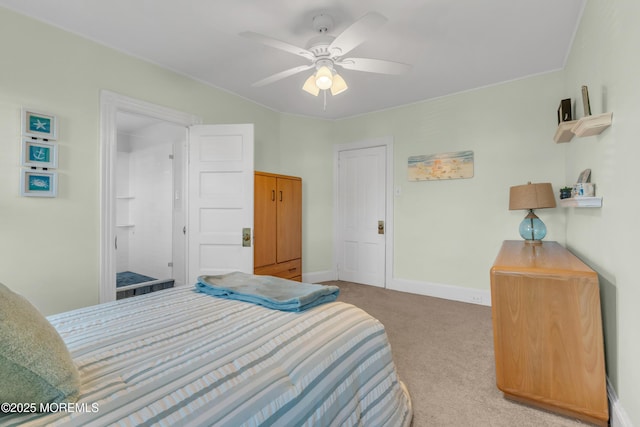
(268, 291)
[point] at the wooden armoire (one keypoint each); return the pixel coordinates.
(277, 235)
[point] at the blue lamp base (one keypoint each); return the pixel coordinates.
(532, 229)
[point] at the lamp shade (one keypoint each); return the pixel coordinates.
(339, 85)
(324, 78)
(310, 85)
(531, 196)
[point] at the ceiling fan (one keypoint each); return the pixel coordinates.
(326, 52)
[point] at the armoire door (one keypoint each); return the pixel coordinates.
(289, 219)
(278, 226)
(264, 242)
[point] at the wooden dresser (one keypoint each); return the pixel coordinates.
(547, 331)
(277, 243)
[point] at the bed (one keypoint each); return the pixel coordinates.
(181, 357)
(129, 284)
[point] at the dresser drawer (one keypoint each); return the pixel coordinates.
(287, 270)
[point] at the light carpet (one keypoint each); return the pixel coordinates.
(443, 351)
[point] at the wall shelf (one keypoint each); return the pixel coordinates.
(581, 202)
(586, 126)
(592, 125)
(564, 133)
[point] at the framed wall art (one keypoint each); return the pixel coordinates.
(39, 125)
(39, 154)
(585, 101)
(564, 111)
(442, 166)
(35, 183)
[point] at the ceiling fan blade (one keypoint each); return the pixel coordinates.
(357, 33)
(278, 44)
(374, 65)
(282, 74)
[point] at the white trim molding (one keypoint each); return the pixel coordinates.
(319, 276)
(439, 290)
(110, 104)
(617, 415)
(430, 289)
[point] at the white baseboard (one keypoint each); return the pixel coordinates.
(450, 292)
(319, 276)
(617, 415)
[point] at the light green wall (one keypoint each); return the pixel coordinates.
(449, 232)
(604, 57)
(445, 232)
(306, 150)
(50, 247)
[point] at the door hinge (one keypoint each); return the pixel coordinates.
(169, 264)
(171, 156)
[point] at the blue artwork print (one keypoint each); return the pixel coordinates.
(39, 154)
(39, 124)
(39, 183)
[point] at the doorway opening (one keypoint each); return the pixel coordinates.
(130, 208)
(150, 211)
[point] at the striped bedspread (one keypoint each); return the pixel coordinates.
(179, 357)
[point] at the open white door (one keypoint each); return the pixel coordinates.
(220, 199)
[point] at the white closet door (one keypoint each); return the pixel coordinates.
(220, 199)
(362, 215)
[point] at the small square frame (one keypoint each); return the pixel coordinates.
(39, 125)
(35, 183)
(39, 154)
(564, 111)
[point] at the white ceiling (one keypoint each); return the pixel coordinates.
(453, 46)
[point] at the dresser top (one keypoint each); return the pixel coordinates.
(551, 257)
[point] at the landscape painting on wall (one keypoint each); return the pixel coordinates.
(443, 166)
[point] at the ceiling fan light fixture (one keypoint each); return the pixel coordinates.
(310, 86)
(339, 85)
(324, 78)
(325, 52)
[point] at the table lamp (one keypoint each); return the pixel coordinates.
(529, 197)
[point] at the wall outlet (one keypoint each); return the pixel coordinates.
(477, 299)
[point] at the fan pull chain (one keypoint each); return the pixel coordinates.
(324, 93)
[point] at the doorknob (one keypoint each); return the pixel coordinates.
(380, 227)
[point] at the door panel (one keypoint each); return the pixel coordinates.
(289, 223)
(220, 199)
(362, 204)
(265, 220)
